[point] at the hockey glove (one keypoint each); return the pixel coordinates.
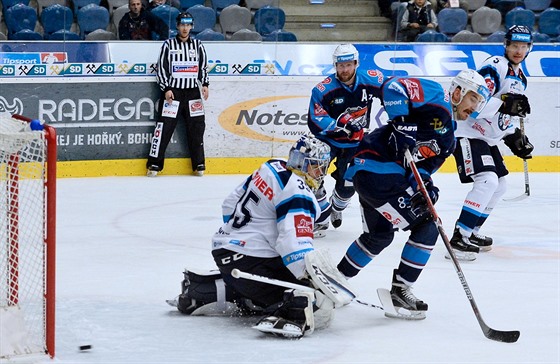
(352, 120)
(432, 190)
(515, 105)
(519, 144)
(402, 136)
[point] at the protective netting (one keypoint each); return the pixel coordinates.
(22, 233)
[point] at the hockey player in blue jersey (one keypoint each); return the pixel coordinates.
(422, 119)
(268, 231)
(339, 111)
(479, 160)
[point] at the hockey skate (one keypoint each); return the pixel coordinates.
(290, 319)
(336, 218)
(482, 241)
(152, 171)
(463, 248)
(320, 229)
(400, 302)
(199, 172)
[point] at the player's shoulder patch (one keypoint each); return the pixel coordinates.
(282, 174)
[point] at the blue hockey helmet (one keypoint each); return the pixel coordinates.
(519, 33)
(309, 158)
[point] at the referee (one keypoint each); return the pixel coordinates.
(182, 76)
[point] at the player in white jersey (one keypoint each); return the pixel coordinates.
(268, 231)
(478, 158)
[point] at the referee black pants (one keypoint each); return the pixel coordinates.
(191, 111)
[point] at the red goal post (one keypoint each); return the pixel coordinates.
(27, 237)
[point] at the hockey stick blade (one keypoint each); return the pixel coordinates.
(518, 198)
(502, 336)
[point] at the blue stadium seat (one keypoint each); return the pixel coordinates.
(504, 6)
(210, 35)
(537, 5)
(219, 5)
(92, 17)
(520, 16)
(169, 16)
(64, 34)
(9, 3)
(19, 17)
(431, 36)
(185, 4)
(452, 20)
(280, 36)
(268, 19)
(56, 17)
(26, 34)
(204, 18)
(496, 37)
(540, 38)
(549, 22)
(78, 4)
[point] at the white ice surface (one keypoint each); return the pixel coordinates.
(123, 243)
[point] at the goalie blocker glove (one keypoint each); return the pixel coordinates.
(519, 144)
(515, 105)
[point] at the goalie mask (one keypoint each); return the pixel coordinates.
(470, 80)
(309, 158)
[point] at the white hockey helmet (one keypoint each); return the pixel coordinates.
(309, 158)
(470, 80)
(345, 53)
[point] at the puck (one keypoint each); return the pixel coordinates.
(85, 347)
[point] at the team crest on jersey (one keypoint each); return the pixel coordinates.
(490, 84)
(304, 226)
(415, 92)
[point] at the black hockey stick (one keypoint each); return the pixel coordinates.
(525, 169)
(492, 334)
(236, 273)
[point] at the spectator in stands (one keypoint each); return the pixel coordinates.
(156, 3)
(140, 24)
(442, 4)
(417, 18)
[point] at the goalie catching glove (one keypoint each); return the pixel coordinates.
(515, 105)
(519, 144)
(352, 122)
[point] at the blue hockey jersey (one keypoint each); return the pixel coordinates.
(331, 98)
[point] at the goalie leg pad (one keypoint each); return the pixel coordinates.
(204, 293)
(328, 279)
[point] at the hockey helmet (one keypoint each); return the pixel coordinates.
(309, 158)
(519, 33)
(470, 80)
(185, 18)
(345, 53)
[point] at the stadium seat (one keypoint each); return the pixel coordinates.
(541, 38)
(268, 19)
(219, 5)
(42, 4)
(64, 34)
(537, 5)
(466, 36)
(210, 35)
(452, 20)
(254, 5)
(115, 4)
(78, 4)
(19, 17)
(234, 18)
(496, 37)
(185, 4)
(476, 4)
(504, 6)
(280, 36)
(101, 34)
(6, 4)
(56, 17)
(431, 36)
(26, 34)
(118, 13)
(246, 35)
(168, 14)
(486, 20)
(204, 18)
(92, 17)
(549, 22)
(3, 36)
(520, 16)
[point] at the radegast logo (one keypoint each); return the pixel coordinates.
(15, 107)
(275, 118)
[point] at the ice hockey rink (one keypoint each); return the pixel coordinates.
(123, 243)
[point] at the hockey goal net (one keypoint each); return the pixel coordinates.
(27, 237)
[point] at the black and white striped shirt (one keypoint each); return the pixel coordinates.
(182, 65)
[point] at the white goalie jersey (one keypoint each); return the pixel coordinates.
(490, 125)
(271, 214)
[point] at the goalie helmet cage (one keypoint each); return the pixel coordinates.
(27, 238)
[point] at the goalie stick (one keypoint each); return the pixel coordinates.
(527, 192)
(236, 273)
(492, 334)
